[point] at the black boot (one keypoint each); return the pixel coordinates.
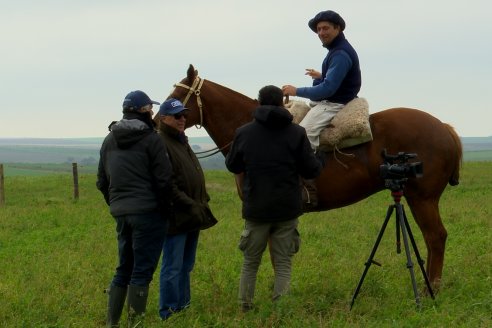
(137, 302)
(309, 195)
(116, 301)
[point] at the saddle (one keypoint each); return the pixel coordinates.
(349, 127)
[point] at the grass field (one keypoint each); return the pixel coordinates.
(58, 255)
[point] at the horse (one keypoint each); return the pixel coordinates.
(221, 111)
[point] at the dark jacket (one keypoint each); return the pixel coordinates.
(272, 152)
(134, 171)
(190, 198)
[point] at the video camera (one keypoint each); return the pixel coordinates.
(396, 169)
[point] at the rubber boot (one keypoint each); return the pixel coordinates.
(309, 195)
(137, 302)
(116, 301)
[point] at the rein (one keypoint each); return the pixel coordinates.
(211, 151)
(195, 89)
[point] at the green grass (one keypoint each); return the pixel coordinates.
(57, 255)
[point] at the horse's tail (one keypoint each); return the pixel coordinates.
(455, 177)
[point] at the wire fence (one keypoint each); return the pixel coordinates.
(75, 174)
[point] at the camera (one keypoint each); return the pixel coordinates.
(396, 169)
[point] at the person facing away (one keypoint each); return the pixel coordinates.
(339, 80)
(272, 152)
(191, 211)
(134, 176)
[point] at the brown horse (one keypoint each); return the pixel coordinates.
(221, 110)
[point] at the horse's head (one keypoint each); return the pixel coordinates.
(188, 92)
(218, 109)
(182, 91)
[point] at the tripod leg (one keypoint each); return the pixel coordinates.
(417, 255)
(400, 217)
(398, 241)
(370, 260)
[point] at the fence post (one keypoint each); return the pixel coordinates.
(2, 190)
(75, 181)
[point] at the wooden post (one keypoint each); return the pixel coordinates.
(75, 181)
(2, 190)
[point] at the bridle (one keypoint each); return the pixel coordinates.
(195, 89)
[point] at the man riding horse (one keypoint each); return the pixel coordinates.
(337, 84)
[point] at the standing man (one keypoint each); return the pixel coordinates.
(191, 211)
(272, 152)
(339, 81)
(134, 176)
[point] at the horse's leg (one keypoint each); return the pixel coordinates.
(426, 214)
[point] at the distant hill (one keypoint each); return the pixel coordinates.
(477, 143)
(85, 151)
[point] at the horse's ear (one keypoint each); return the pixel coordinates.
(190, 73)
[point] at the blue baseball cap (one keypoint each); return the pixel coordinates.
(171, 106)
(136, 100)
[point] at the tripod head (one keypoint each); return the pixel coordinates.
(396, 187)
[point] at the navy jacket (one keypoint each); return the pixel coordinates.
(134, 173)
(341, 79)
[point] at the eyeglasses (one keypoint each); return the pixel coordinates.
(179, 116)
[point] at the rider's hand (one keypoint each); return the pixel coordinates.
(289, 90)
(313, 73)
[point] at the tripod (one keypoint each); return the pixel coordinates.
(401, 223)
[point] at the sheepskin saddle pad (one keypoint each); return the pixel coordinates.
(348, 128)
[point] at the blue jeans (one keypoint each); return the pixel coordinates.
(178, 259)
(140, 239)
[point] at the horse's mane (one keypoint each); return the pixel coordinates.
(234, 92)
(192, 74)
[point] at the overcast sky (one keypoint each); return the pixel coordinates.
(67, 65)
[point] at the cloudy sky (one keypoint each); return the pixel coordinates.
(66, 65)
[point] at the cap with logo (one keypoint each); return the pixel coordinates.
(171, 106)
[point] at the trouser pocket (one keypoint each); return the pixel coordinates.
(296, 242)
(243, 240)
